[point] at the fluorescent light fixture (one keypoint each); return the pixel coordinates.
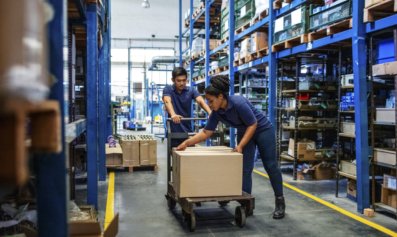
(145, 4)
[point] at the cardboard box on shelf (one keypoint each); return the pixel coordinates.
(148, 152)
(385, 69)
(213, 43)
(197, 174)
(245, 47)
(385, 115)
(323, 171)
(114, 155)
(352, 187)
(259, 40)
(84, 228)
(388, 197)
(305, 149)
(385, 155)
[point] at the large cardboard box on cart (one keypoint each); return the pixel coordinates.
(207, 174)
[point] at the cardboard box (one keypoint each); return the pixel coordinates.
(388, 197)
(213, 44)
(259, 40)
(305, 149)
(114, 156)
(148, 152)
(385, 69)
(130, 152)
(323, 171)
(385, 115)
(389, 182)
(245, 47)
(352, 187)
(199, 174)
(385, 155)
(236, 56)
(369, 212)
(81, 228)
(306, 174)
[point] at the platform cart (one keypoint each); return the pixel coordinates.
(246, 201)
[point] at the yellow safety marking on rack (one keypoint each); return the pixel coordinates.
(110, 202)
(349, 214)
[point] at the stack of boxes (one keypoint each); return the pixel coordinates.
(207, 172)
(133, 151)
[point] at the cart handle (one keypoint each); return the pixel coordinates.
(169, 119)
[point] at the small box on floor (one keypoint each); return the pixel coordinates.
(306, 149)
(305, 174)
(323, 171)
(369, 212)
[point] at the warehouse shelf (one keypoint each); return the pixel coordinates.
(350, 176)
(252, 29)
(347, 111)
(249, 65)
(307, 91)
(293, 109)
(331, 43)
(292, 6)
(384, 206)
(384, 165)
(345, 35)
(254, 87)
(302, 129)
(385, 123)
(347, 135)
(381, 24)
(347, 87)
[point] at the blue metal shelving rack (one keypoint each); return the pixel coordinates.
(358, 37)
(51, 173)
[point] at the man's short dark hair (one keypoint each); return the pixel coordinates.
(179, 71)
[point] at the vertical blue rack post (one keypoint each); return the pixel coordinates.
(102, 113)
(231, 68)
(107, 70)
(51, 169)
(360, 105)
(180, 34)
(272, 70)
(207, 48)
(92, 110)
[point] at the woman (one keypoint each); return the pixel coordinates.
(253, 130)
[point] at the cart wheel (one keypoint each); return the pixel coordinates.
(184, 215)
(171, 203)
(239, 216)
(191, 222)
(224, 203)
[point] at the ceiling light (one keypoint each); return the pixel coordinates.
(145, 4)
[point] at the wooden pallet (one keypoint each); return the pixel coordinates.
(330, 30)
(236, 63)
(287, 44)
(131, 167)
(380, 10)
(241, 61)
(224, 41)
(277, 4)
(44, 121)
(243, 28)
(259, 17)
(195, 57)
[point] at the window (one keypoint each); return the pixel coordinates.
(137, 87)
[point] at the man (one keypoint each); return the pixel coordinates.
(178, 102)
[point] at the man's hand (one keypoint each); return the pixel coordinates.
(238, 149)
(176, 118)
(182, 147)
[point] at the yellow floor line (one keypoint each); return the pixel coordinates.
(349, 214)
(198, 145)
(110, 202)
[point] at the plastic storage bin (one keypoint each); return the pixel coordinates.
(287, 27)
(330, 14)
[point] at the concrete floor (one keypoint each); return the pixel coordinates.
(140, 201)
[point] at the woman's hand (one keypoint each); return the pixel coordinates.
(182, 147)
(238, 149)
